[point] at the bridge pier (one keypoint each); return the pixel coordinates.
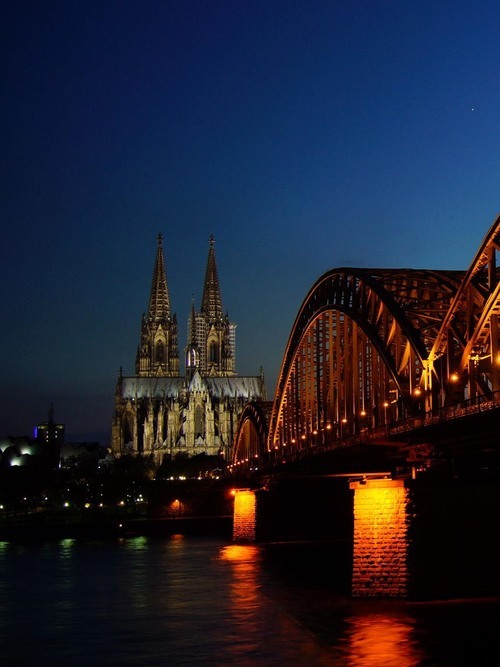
(428, 538)
(380, 554)
(245, 515)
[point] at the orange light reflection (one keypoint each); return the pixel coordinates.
(376, 640)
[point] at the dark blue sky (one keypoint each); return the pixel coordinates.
(303, 134)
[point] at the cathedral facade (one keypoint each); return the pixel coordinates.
(159, 411)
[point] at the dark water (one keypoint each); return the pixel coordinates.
(187, 601)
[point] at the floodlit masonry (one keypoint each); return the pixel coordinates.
(160, 412)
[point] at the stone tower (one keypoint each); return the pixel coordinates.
(211, 336)
(158, 352)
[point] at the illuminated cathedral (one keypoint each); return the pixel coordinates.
(160, 412)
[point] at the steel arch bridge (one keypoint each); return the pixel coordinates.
(372, 347)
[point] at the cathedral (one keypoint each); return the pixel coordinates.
(160, 412)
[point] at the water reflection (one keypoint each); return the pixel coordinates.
(240, 553)
(137, 543)
(244, 591)
(65, 547)
(323, 632)
(185, 601)
(378, 639)
(245, 562)
(259, 627)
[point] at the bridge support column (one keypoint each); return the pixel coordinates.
(245, 515)
(380, 554)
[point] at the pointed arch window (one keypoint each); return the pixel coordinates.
(199, 421)
(160, 351)
(213, 353)
(192, 358)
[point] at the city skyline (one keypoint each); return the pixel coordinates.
(303, 137)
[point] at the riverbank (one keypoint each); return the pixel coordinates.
(37, 527)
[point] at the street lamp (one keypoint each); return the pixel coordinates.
(386, 405)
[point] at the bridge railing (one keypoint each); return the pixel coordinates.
(446, 413)
(277, 458)
(384, 433)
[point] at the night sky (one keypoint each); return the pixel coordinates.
(305, 135)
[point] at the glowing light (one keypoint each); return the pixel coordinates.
(363, 413)
(386, 404)
(380, 537)
(454, 377)
(328, 427)
(344, 420)
(245, 506)
(417, 391)
(66, 504)
(239, 552)
(383, 639)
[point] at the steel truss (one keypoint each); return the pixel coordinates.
(373, 346)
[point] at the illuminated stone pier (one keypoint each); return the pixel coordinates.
(380, 556)
(425, 540)
(378, 537)
(245, 519)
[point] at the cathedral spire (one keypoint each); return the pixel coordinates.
(159, 299)
(211, 303)
(192, 350)
(158, 353)
(192, 325)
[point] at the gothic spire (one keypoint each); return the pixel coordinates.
(192, 350)
(211, 303)
(159, 299)
(192, 326)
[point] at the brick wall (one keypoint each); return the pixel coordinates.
(380, 556)
(245, 507)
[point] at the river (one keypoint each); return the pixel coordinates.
(192, 601)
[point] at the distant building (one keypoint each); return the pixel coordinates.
(50, 438)
(18, 451)
(78, 450)
(50, 433)
(41, 450)
(160, 412)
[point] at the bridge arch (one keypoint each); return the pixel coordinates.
(373, 346)
(357, 351)
(250, 443)
(468, 340)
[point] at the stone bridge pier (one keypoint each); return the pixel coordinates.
(399, 538)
